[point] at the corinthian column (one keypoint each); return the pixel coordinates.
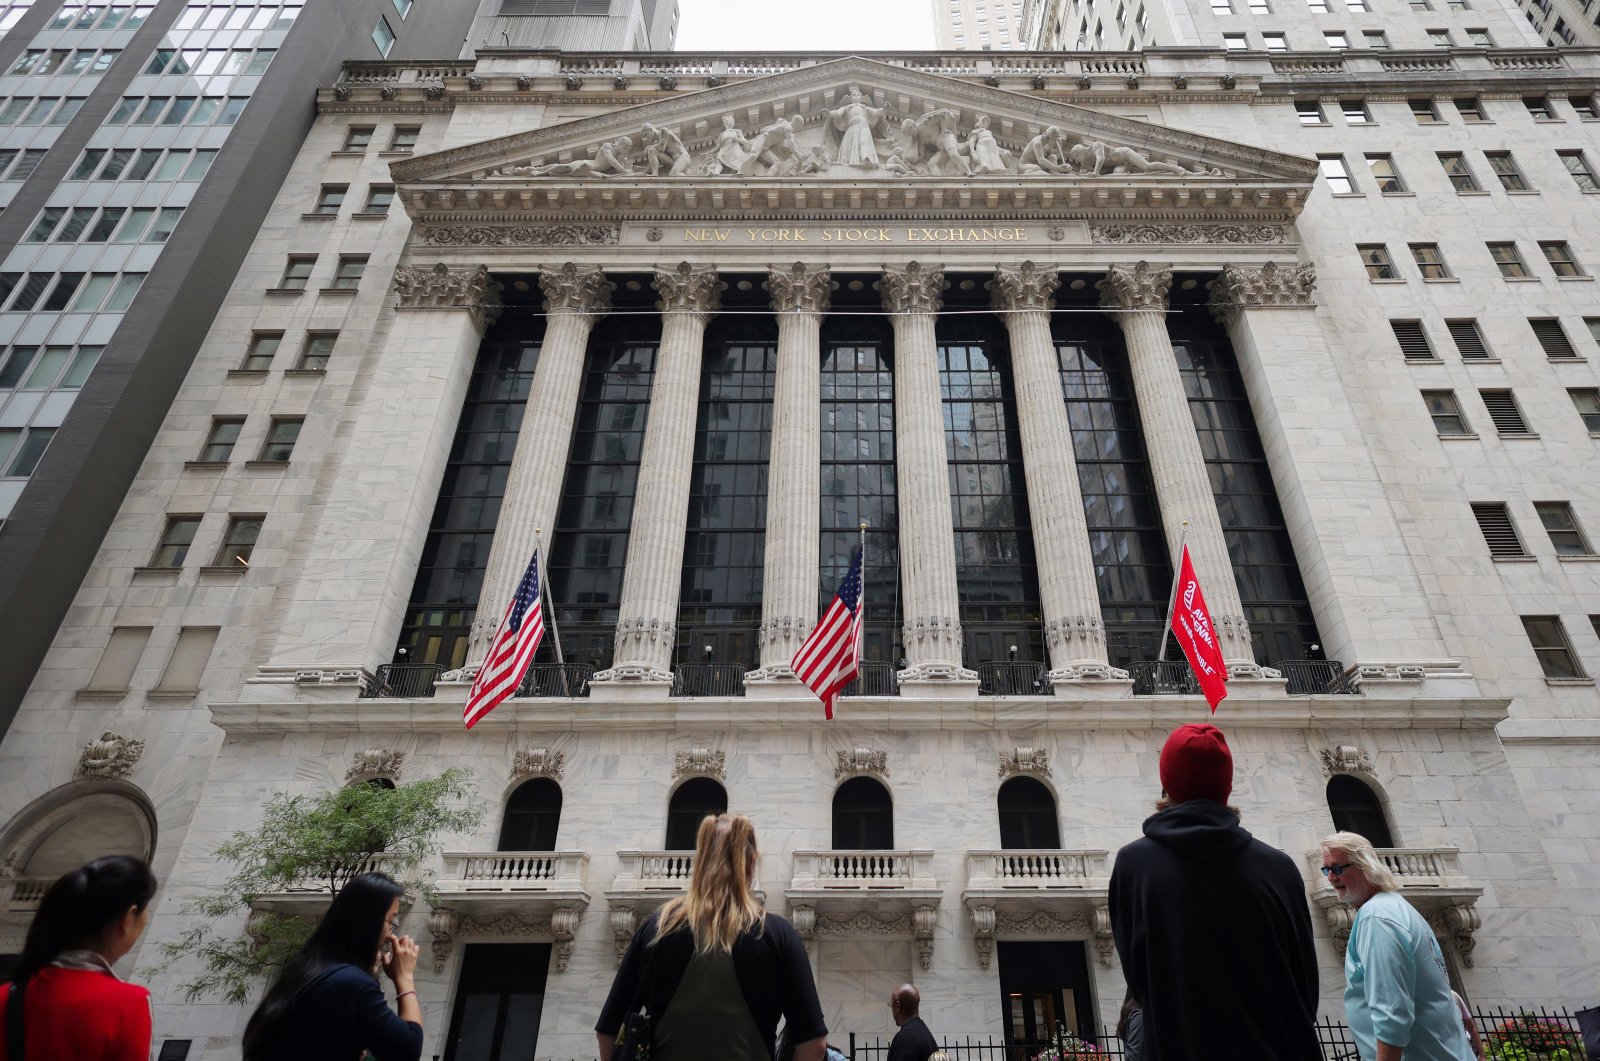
(573, 299)
(1068, 592)
(932, 632)
(789, 579)
(647, 623)
(1183, 487)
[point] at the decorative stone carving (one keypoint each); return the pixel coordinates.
(983, 923)
(624, 923)
(654, 234)
(1104, 941)
(1239, 288)
(688, 288)
(386, 93)
(620, 82)
(1132, 81)
(1180, 82)
(434, 93)
(851, 131)
(1028, 286)
(109, 755)
(1045, 153)
(1084, 82)
(569, 288)
(799, 288)
(1137, 286)
(1042, 923)
(341, 93)
(524, 83)
(564, 927)
(862, 923)
(923, 920)
(1457, 923)
(1038, 83)
(915, 289)
(700, 762)
(1097, 158)
(1056, 233)
(442, 927)
(804, 920)
(1025, 761)
(991, 80)
(1229, 81)
(714, 81)
(444, 288)
(561, 927)
(1140, 232)
(475, 83)
(1346, 759)
(664, 153)
(521, 235)
(861, 761)
(572, 82)
(374, 763)
(634, 636)
(538, 762)
(612, 159)
(1339, 918)
(667, 82)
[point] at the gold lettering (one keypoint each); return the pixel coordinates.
(694, 234)
(752, 234)
(722, 234)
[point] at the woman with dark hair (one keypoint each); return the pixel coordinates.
(1130, 1029)
(63, 1000)
(326, 1004)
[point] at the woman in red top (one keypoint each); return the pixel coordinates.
(64, 1003)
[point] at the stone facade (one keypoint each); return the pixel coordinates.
(1484, 765)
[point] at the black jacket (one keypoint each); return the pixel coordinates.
(1214, 933)
(913, 1042)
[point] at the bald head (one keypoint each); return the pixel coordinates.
(904, 1003)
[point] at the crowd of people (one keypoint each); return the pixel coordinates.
(1212, 927)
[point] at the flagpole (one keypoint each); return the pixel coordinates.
(544, 590)
(1172, 600)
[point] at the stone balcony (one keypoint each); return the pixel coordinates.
(537, 894)
(24, 893)
(865, 893)
(1431, 879)
(310, 895)
(645, 880)
(1038, 892)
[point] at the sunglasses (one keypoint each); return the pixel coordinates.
(1336, 871)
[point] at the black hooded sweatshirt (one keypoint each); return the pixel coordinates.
(1214, 933)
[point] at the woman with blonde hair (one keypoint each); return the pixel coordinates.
(713, 970)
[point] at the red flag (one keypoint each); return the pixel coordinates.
(513, 648)
(1191, 625)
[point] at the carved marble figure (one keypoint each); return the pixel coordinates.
(663, 147)
(732, 149)
(776, 148)
(613, 159)
(852, 126)
(984, 150)
(1045, 153)
(938, 129)
(1099, 158)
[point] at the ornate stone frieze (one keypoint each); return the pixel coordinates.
(433, 93)
(442, 927)
(800, 288)
(917, 288)
(861, 761)
(560, 926)
(443, 288)
(475, 83)
(700, 762)
(1029, 286)
(538, 762)
(1240, 288)
(1346, 759)
(1457, 923)
(862, 923)
(1104, 940)
(1043, 924)
(1137, 286)
(520, 235)
(109, 755)
(624, 923)
(1195, 233)
(923, 921)
(1025, 760)
(687, 288)
(575, 289)
(374, 763)
(983, 925)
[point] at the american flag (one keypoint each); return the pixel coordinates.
(831, 657)
(514, 645)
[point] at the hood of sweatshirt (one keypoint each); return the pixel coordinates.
(1200, 829)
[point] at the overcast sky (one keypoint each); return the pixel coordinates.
(824, 25)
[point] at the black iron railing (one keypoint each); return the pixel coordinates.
(1312, 677)
(708, 679)
(556, 679)
(875, 679)
(1163, 678)
(403, 679)
(1009, 678)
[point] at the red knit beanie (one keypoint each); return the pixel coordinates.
(1196, 764)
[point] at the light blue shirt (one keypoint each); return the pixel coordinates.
(1396, 988)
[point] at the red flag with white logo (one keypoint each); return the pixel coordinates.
(1191, 625)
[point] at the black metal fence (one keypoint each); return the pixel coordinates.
(556, 679)
(708, 679)
(1006, 678)
(1163, 678)
(1314, 677)
(403, 679)
(875, 679)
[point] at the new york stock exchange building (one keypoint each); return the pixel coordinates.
(1032, 320)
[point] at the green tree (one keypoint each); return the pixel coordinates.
(315, 843)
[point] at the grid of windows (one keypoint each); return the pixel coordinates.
(119, 163)
(19, 165)
(101, 16)
(221, 15)
(39, 110)
(206, 62)
(43, 368)
(65, 61)
(77, 292)
(110, 224)
(177, 110)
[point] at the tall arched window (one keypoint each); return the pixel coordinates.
(1028, 815)
(694, 800)
(863, 816)
(533, 814)
(1357, 809)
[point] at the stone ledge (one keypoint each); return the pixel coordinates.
(1550, 731)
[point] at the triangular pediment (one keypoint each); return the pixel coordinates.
(857, 129)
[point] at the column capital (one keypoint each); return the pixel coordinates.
(917, 288)
(439, 287)
(1240, 287)
(688, 288)
(1137, 286)
(800, 288)
(575, 289)
(1028, 286)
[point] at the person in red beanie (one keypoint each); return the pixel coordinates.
(1212, 925)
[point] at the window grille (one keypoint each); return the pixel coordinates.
(1503, 412)
(1499, 532)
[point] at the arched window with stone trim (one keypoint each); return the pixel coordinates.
(532, 816)
(863, 816)
(691, 803)
(1028, 815)
(74, 824)
(1357, 808)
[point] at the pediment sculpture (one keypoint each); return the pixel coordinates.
(857, 139)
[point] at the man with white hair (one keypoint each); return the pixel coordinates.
(1396, 996)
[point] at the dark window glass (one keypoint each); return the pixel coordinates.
(498, 1002)
(693, 801)
(1028, 815)
(863, 816)
(1357, 809)
(533, 814)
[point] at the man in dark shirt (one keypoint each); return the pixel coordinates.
(913, 1042)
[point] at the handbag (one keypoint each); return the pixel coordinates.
(635, 1037)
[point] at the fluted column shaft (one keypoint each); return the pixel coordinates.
(574, 300)
(648, 615)
(1068, 592)
(794, 470)
(1139, 295)
(932, 631)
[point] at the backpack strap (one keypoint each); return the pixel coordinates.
(14, 1032)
